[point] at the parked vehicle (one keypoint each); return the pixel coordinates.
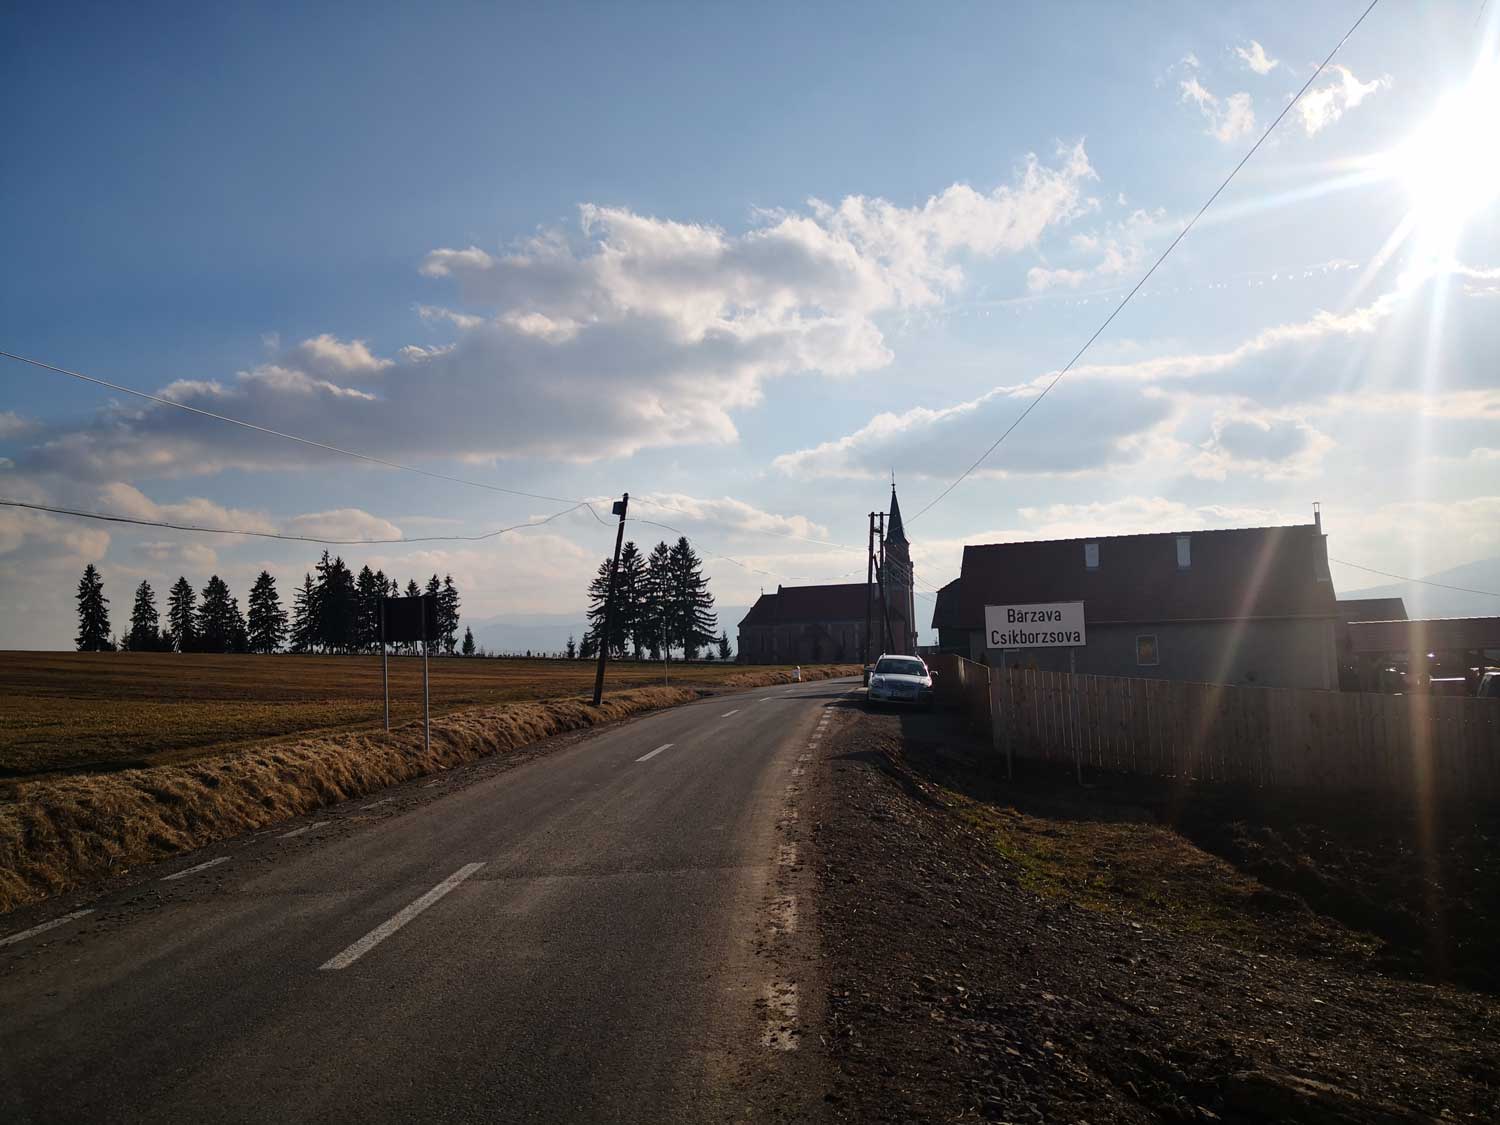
(1489, 686)
(900, 679)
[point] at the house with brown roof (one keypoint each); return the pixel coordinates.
(813, 624)
(1251, 605)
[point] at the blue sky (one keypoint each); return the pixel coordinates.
(741, 262)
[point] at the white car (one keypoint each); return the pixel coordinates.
(900, 679)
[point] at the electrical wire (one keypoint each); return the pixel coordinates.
(108, 517)
(1032, 405)
(1418, 581)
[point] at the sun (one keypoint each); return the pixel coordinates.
(1450, 166)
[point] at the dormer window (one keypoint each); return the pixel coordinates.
(1184, 552)
(1091, 556)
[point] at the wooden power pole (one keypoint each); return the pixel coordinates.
(609, 598)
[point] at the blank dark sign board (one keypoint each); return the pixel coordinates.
(402, 618)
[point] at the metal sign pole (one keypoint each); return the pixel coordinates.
(385, 668)
(1073, 707)
(426, 697)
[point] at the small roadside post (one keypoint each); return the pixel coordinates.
(385, 669)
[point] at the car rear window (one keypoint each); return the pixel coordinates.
(889, 667)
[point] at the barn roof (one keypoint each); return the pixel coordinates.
(1234, 574)
(1371, 609)
(1437, 634)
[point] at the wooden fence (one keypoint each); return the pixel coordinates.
(1325, 740)
(964, 686)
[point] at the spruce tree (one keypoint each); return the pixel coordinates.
(724, 650)
(336, 605)
(655, 599)
(93, 613)
(182, 614)
(689, 603)
(598, 598)
(468, 642)
(412, 589)
(304, 616)
(588, 649)
(145, 622)
(267, 625)
(571, 652)
(218, 615)
(448, 603)
(368, 588)
(632, 602)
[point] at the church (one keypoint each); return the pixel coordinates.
(826, 624)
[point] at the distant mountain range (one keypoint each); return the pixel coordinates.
(1434, 601)
(544, 633)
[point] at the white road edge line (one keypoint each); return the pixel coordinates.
(377, 804)
(299, 831)
(193, 870)
(44, 927)
(781, 1016)
(399, 919)
(726, 714)
(654, 753)
(765, 699)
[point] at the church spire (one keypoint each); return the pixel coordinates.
(894, 532)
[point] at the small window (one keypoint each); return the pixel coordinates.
(1146, 653)
(1091, 556)
(1184, 552)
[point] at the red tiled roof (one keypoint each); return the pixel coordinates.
(1255, 572)
(797, 605)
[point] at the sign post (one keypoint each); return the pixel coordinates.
(407, 621)
(1042, 625)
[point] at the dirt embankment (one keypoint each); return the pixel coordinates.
(1028, 953)
(59, 833)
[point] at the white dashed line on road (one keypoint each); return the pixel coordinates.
(787, 856)
(195, 870)
(299, 831)
(784, 915)
(399, 919)
(726, 714)
(765, 699)
(654, 753)
(44, 927)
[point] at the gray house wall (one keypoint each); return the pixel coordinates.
(1280, 653)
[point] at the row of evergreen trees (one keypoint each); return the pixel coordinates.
(661, 601)
(337, 611)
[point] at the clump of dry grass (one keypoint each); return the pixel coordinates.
(56, 834)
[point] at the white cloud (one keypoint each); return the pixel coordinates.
(341, 523)
(12, 424)
(1324, 105)
(1121, 249)
(1264, 444)
(1228, 118)
(333, 358)
(1255, 57)
(725, 512)
(631, 332)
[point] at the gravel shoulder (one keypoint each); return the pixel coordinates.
(1033, 952)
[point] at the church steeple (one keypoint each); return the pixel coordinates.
(894, 532)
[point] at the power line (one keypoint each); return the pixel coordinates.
(1032, 405)
(289, 437)
(1418, 581)
(109, 517)
(752, 530)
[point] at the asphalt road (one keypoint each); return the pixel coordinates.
(583, 937)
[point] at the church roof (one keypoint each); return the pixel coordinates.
(894, 532)
(800, 605)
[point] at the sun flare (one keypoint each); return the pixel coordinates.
(1451, 165)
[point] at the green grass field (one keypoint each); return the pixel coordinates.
(61, 711)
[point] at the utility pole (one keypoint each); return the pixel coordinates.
(869, 586)
(885, 608)
(609, 600)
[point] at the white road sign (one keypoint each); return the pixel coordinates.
(1041, 625)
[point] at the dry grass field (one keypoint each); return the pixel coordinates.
(68, 711)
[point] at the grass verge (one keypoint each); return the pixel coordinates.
(58, 833)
